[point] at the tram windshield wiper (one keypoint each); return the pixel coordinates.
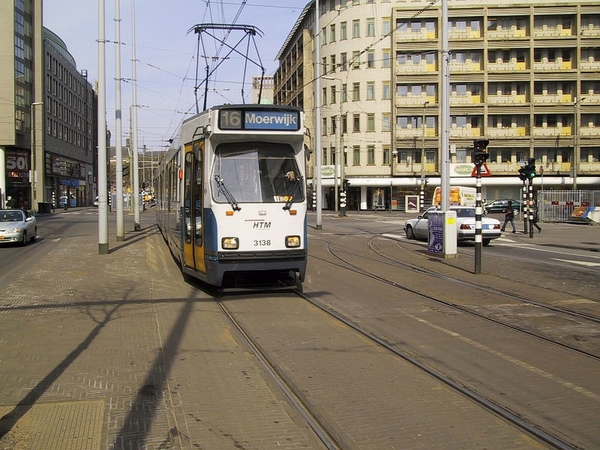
(292, 194)
(228, 195)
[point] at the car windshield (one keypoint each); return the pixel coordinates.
(465, 212)
(11, 216)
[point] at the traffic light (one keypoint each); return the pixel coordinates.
(480, 144)
(480, 158)
(480, 155)
(531, 164)
(527, 172)
(346, 184)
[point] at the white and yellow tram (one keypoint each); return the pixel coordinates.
(231, 195)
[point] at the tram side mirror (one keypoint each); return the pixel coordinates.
(307, 152)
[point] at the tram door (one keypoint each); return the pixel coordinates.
(193, 242)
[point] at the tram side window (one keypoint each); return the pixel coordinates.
(256, 172)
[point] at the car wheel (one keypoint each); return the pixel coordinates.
(410, 234)
(24, 239)
(486, 242)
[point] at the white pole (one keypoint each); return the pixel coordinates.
(134, 135)
(118, 124)
(319, 156)
(102, 178)
(445, 111)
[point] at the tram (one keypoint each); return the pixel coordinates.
(231, 195)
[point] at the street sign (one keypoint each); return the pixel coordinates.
(485, 172)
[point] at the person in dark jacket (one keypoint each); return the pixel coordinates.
(509, 217)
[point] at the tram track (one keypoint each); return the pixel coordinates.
(325, 433)
(344, 263)
(319, 427)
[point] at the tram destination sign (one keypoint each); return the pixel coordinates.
(265, 120)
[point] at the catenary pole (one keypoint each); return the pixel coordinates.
(102, 159)
(118, 124)
(318, 150)
(134, 171)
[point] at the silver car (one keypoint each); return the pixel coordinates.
(17, 226)
(418, 228)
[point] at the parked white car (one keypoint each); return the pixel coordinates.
(418, 227)
(17, 225)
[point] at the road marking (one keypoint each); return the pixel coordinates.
(581, 263)
(533, 246)
(393, 236)
(522, 364)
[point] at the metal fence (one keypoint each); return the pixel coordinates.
(566, 206)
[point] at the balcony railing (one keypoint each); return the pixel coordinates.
(507, 99)
(551, 131)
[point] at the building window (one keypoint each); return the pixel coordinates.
(370, 59)
(332, 32)
(386, 156)
(355, 92)
(333, 94)
(385, 57)
(324, 94)
(385, 122)
(324, 126)
(370, 90)
(385, 90)
(356, 155)
(371, 155)
(370, 122)
(356, 123)
(370, 27)
(356, 60)
(344, 61)
(343, 31)
(356, 28)
(386, 26)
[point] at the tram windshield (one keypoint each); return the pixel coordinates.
(256, 172)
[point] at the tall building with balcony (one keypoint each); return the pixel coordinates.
(525, 77)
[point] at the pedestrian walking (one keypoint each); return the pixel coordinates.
(534, 220)
(509, 217)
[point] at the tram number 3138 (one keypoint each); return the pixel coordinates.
(262, 243)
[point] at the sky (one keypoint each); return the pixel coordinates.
(166, 54)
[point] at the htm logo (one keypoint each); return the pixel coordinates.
(262, 225)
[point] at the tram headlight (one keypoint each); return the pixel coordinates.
(230, 243)
(292, 241)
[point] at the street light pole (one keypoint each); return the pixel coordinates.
(422, 196)
(35, 157)
(340, 156)
(576, 149)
